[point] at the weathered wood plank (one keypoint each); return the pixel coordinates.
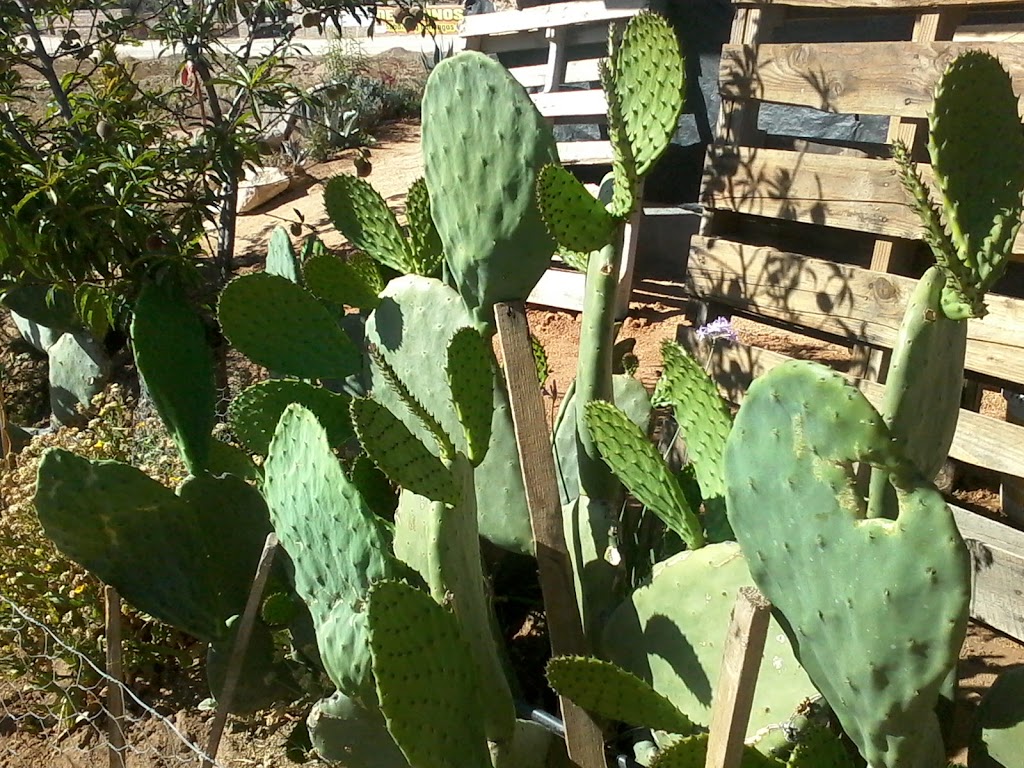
(563, 105)
(843, 300)
(881, 5)
(886, 78)
(585, 152)
(525, 41)
(578, 71)
(545, 16)
(857, 193)
(980, 440)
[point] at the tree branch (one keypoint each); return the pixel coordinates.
(46, 61)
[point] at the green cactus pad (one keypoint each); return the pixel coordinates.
(630, 396)
(424, 242)
(608, 691)
(374, 486)
(976, 143)
(998, 726)
(399, 454)
(281, 258)
(819, 748)
(635, 460)
(923, 387)
(337, 546)
(352, 282)
(894, 592)
(416, 316)
(185, 560)
(672, 632)
(361, 214)
(650, 81)
(254, 414)
(176, 363)
(342, 731)
(263, 682)
(692, 752)
(426, 679)
(471, 381)
(703, 417)
(309, 345)
(576, 219)
(483, 199)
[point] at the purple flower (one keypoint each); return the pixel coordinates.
(719, 328)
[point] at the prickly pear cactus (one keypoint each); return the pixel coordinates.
(255, 412)
(337, 545)
(608, 691)
(876, 608)
(176, 363)
(671, 633)
(354, 281)
(577, 220)
(484, 143)
(281, 257)
(187, 559)
(425, 244)
(976, 143)
(343, 731)
(426, 680)
(692, 752)
(359, 212)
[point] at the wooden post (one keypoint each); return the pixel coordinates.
(234, 668)
(115, 671)
(582, 735)
(734, 694)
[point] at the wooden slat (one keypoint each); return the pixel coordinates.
(881, 5)
(579, 71)
(887, 78)
(546, 16)
(857, 193)
(562, 105)
(843, 300)
(997, 560)
(585, 152)
(980, 440)
(525, 41)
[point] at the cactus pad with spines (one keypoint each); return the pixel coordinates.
(608, 691)
(426, 680)
(819, 747)
(635, 460)
(672, 631)
(281, 258)
(343, 731)
(424, 242)
(176, 363)
(354, 281)
(649, 73)
(337, 546)
(254, 413)
(998, 731)
(310, 345)
(400, 454)
(361, 214)
(893, 592)
(702, 415)
(484, 201)
(167, 555)
(576, 219)
(976, 143)
(471, 381)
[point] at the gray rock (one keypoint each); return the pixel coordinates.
(79, 369)
(39, 336)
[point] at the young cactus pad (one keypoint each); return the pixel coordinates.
(484, 143)
(336, 544)
(876, 608)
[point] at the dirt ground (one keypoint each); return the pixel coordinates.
(396, 163)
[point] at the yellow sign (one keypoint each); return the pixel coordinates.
(440, 19)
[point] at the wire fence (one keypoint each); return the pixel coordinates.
(59, 708)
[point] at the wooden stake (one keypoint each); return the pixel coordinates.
(234, 668)
(115, 671)
(734, 694)
(582, 735)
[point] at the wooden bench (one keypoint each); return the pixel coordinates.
(820, 240)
